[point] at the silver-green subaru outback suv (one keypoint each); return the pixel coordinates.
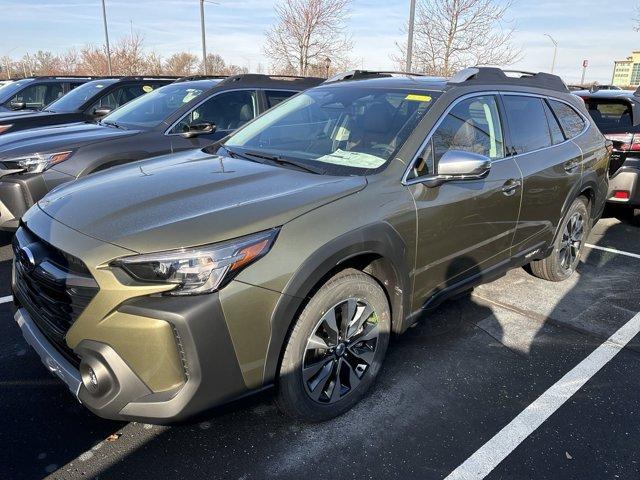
(288, 253)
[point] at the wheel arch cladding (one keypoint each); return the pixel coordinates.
(375, 249)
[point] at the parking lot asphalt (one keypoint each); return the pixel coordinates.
(448, 386)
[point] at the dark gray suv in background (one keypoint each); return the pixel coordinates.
(289, 252)
(190, 113)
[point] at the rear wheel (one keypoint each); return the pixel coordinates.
(568, 245)
(336, 348)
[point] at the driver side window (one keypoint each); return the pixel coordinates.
(473, 125)
(227, 111)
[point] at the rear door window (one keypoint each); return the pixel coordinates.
(571, 122)
(527, 123)
(274, 97)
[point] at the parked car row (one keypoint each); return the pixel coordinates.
(188, 113)
(285, 228)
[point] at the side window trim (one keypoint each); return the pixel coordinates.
(411, 181)
(194, 107)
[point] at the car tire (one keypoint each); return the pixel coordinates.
(335, 349)
(567, 246)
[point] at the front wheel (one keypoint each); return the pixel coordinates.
(567, 246)
(336, 348)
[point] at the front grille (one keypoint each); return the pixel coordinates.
(53, 286)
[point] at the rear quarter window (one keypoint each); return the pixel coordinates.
(571, 122)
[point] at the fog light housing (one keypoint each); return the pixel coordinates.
(95, 378)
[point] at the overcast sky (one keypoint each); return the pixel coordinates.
(597, 30)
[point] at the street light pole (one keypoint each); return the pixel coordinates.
(555, 51)
(204, 42)
(412, 20)
(106, 35)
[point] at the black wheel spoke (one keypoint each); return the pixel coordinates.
(340, 350)
(316, 384)
(362, 315)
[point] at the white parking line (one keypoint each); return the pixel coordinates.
(487, 457)
(612, 250)
(6, 299)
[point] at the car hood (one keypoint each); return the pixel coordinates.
(189, 199)
(48, 139)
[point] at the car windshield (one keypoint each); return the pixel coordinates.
(341, 130)
(72, 101)
(9, 90)
(152, 109)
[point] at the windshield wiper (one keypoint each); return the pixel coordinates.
(287, 161)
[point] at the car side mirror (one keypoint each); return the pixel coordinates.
(102, 111)
(18, 105)
(198, 129)
(459, 165)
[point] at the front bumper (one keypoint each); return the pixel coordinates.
(626, 179)
(52, 359)
(107, 386)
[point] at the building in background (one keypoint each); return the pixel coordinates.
(627, 72)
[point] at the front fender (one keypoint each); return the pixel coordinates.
(379, 240)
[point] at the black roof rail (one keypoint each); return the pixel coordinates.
(267, 79)
(363, 74)
(148, 77)
(190, 78)
(493, 75)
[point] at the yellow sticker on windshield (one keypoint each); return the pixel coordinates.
(147, 88)
(413, 97)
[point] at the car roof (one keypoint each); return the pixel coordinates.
(394, 81)
(606, 94)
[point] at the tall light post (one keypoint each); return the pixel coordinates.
(204, 40)
(412, 21)
(106, 35)
(555, 51)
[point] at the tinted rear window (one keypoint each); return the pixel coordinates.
(527, 123)
(611, 116)
(570, 121)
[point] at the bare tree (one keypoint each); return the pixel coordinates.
(69, 63)
(153, 64)
(128, 56)
(44, 63)
(306, 33)
(215, 64)
(454, 34)
(182, 64)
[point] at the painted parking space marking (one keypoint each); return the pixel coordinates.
(488, 456)
(6, 299)
(612, 250)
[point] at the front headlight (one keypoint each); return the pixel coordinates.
(198, 270)
(37, 162)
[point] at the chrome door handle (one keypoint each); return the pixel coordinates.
(510, 187)
(571, 166)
